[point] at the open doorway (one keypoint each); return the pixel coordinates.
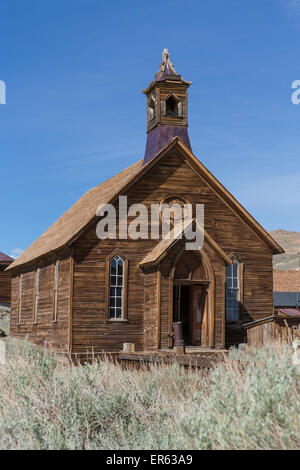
(190, 307)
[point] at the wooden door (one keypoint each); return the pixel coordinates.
(198, 315)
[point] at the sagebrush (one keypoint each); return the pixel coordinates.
(251, 401)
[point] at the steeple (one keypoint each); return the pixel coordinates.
(167, 104)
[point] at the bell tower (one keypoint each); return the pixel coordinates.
(167, 104)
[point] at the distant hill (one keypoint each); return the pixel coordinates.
(290, 242)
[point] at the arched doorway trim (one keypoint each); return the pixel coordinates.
(208, 283)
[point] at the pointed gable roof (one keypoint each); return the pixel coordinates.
(4, 259)
(176, 234)
(78, 216)
(165, 72)
(71, 224)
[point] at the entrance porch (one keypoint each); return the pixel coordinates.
(186, 287)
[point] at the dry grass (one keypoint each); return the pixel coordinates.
(4, 320)
(249, 402)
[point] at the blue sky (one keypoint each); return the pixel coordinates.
(75, 114)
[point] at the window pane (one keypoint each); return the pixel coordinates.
(119, 291)
(234, 269)
(113, 266)
(116, 287)
(232, 292)
(112, 313)
(118, 312)
(120, 268)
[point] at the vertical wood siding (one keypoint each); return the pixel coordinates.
(45, 332)
(5, 285)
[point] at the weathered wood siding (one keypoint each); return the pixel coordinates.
(152, 311)
(46, 331)
(5, 285)
(285, 330)
(91, 330)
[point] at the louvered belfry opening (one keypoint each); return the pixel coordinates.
(171, 107)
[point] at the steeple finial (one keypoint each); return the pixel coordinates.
(166, 64)
(165, 71)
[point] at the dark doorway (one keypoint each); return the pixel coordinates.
(190, 307)
(181, 310)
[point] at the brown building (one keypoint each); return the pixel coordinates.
(5, 279)
(82, 293)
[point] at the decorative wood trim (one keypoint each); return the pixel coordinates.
(156, 256)
(55, 291)
(71, 295)
(172, 93)
(210, 299)
(224, 304)
(190, 282)
(125, 287)
(241, 288)
(35, 307)
(170, 341)
(158, 308)
(210, 294)
(20, 294)
(216, 247)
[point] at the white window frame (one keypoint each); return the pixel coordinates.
(117, 284)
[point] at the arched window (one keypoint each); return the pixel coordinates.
(171, 107)
(232, 291)
(116, 287)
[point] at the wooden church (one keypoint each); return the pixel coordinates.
(80, 294)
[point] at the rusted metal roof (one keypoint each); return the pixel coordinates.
(5, 259)
(289, 312)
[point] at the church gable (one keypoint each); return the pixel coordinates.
(172, 174)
